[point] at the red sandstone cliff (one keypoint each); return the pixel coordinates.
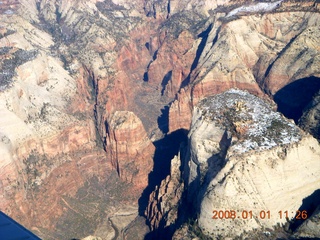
(129, 149)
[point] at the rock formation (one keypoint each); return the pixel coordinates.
(265, 62)
(129, 148)
(309, 121)
(50, 142)
(162, 210)
(251, 168)
(240, 160)
(310, 228)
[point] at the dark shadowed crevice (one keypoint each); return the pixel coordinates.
(309, 204)
(147, 45)
(166, 149)
(164, 231)
(58, 14)
(204, 35)
(145, 77)
(187, 210)
(163, 120)
(38, 6)
(294, 97)
(165, 81)
(154, 57)
(154, 10)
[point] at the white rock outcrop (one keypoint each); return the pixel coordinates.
(253, 164)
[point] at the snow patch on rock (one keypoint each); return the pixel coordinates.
(252, 122)
(258, 7)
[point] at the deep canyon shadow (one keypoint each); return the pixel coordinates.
(163, 120)
(165, 81)
(166, 149)
(187, 210)
(294, 97)
(204, 38)
(309, 204)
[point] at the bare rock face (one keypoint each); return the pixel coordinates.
(246, 158)
(50, 147)
(299, 59)
(172, 63)
(310, 228)
(180, 111)
(275, 55)
(91, 238)
(310, 120)
(163, 201)
(48, 139)
(129, 148)
(242, 159)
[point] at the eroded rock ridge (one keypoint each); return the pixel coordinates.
(240, 157)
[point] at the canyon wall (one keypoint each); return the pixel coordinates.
(245, 162)
(129, 149)
(259, 53)
(266, 170)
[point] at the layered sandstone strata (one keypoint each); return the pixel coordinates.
(48, 141)
(275, 55)
(244, 157)
(129, 148)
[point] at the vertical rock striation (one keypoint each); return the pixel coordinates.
(162, 210)
(242, 158)
(261, 54)
(254, 166)
(129, 149)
